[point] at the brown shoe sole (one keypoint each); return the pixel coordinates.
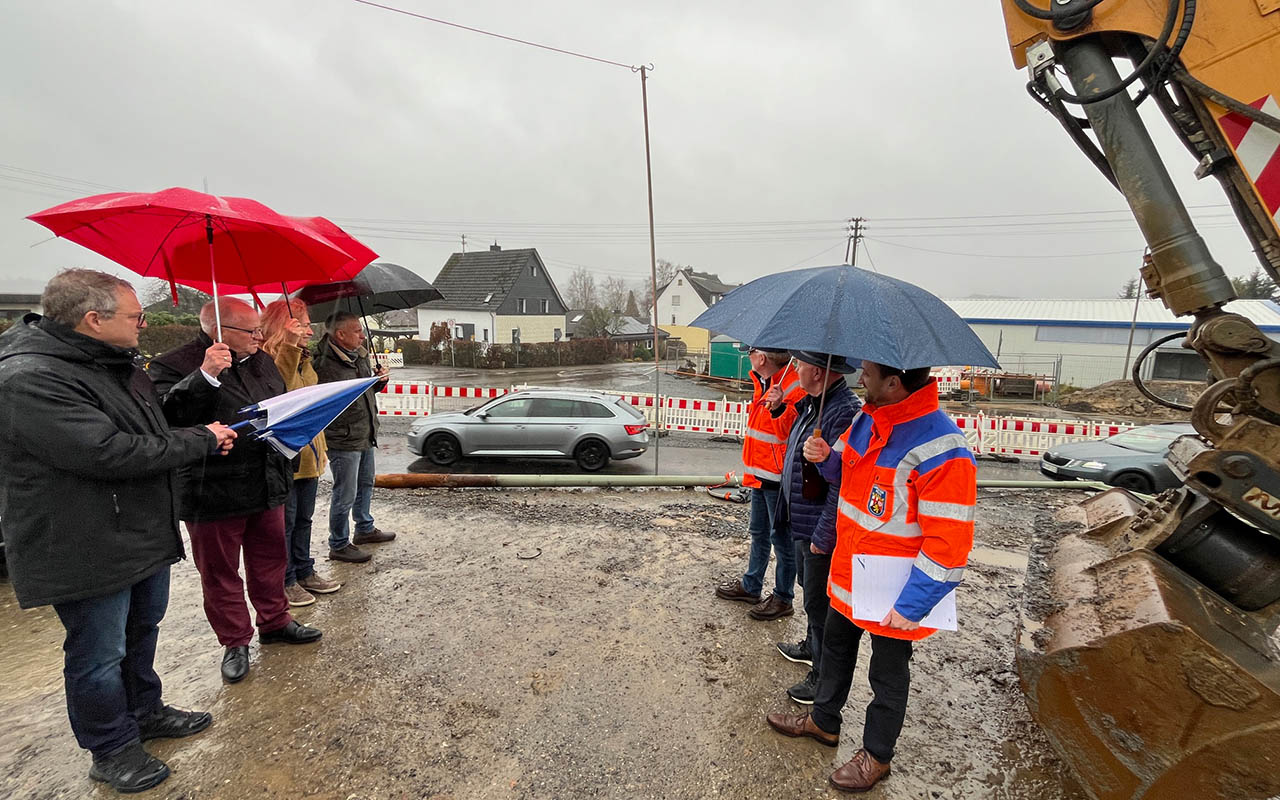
(318, 590)
(770, 617)
(741, 598)
(805, 735)
(856, 789)
(307, 602)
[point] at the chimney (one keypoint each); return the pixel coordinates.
(493, 248)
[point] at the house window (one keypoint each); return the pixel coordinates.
(520, 307)
(675, 300)
(546, 306)
(486, 334)
(679, 282)
(535, 270)
(673, 319)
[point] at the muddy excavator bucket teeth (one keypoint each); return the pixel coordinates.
(1148, 684)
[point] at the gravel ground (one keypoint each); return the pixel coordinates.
(537, 644)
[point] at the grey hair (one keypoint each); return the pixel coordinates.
(227, 306)
(75, 292)
(337, 319)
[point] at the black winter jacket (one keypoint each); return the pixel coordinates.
(87, 466)
(254, 476)
(357, 427)
(814, 520)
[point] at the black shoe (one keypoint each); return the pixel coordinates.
(374, 536)
(235, 663)
(804, 691)
(798, 652)
(349, 553)
(293, 633)
(129, 769)
(173, 723)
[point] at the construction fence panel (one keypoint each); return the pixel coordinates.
(1008, 436)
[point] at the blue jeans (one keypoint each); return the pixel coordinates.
(352, 494)
(108, 667)
(298, 510)
(764, 535)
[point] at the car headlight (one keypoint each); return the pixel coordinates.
(1090, 464)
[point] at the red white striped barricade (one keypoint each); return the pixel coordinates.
(712, 417)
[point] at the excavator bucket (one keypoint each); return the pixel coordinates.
(1149, 684)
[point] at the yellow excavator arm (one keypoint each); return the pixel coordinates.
(1148, 649)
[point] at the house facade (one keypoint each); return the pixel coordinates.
(683, 298)
(495, 295)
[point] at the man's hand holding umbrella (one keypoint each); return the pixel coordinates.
(226, 437)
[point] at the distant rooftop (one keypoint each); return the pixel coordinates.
(1100, 313)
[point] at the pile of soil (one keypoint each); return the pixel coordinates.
(1122, 399)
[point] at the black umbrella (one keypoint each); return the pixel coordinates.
(377, 288)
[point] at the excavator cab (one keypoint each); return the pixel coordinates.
(1148, 649)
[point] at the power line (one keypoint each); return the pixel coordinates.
(1005, 255)
(495, 35)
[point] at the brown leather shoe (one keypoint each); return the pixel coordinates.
(732, 590)
(771, 608)
(860, 774)
(802, 725)
(374, 536)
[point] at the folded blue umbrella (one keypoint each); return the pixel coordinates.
(291, 420)
(850, 312)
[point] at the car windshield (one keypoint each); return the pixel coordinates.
(1146, 440)
(473, 409)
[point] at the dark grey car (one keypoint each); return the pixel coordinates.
(589, 427)
(1131, 460)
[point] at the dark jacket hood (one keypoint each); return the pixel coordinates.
(37, 335)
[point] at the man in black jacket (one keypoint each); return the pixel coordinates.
(233, 505)
(807, 506)
(351, 439)
(87, 473)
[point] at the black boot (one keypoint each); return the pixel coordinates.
(129, 769)
(173, 723)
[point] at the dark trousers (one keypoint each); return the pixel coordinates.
(889, 675)
(108, 667)
(298, 511)
(216, 546)
(817, 566)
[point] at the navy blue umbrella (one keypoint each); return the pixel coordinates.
(849, 312)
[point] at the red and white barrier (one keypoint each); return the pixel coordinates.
(1013, 436)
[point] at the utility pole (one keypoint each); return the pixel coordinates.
(854, 232)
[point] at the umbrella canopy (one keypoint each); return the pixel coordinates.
(849, 312)
(288, 422)
(379, 287)
(203, 240)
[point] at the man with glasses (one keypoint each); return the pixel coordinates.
(87, 477)
(233, 506)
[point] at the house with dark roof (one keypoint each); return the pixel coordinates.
(16, 306)
(683, 298)
(625, 328)
(494, 296)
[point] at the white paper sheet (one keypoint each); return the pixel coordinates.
(877, 582)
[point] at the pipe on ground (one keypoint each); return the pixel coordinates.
(417, 480)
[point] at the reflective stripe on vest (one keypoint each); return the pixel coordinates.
(761, 436)
(763, 473)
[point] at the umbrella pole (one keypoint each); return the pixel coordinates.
(367, 335)
(284, 295)
(213, 277)
(822, 401)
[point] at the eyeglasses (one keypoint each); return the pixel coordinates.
(140, 317)
(255, 332)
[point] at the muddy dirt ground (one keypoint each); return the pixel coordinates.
(552, 644)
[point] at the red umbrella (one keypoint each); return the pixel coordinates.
(199, 239)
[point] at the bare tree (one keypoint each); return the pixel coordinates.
(582, 289)
(157, 296)
(613, 294)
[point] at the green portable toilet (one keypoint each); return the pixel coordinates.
(727, 361)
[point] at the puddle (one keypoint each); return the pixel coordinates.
(999, 558)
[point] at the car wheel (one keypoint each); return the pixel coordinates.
(592, 455)
(442, 449)
(1133, 481)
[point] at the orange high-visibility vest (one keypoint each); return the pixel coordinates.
(908, 484)
(764, 442)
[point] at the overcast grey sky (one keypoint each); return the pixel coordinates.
(410, 134)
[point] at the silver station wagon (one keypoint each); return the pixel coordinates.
(588, 427)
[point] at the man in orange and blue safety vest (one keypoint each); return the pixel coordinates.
(764, 443)
(908, 484)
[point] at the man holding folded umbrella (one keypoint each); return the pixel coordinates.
(235, 505)
(907, 484)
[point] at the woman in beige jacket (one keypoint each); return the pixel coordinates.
(286, 330)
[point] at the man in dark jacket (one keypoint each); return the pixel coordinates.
(233, 505)
(352, 440)
(87, 473)
(807, 507)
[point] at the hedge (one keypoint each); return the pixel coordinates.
(159, 339)
(467, 353)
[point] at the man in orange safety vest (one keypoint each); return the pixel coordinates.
(907, 488)
(764, 444)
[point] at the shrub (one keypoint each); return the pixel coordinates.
(160, 339)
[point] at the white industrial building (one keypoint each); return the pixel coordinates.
(1084, 342)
